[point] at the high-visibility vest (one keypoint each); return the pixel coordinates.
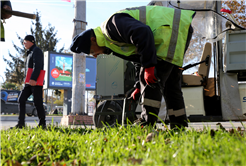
(2, 32)
(169, 26)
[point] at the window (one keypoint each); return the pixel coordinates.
(30, 98)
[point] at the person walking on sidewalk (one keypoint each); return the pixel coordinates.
(155, 38)
(34, 60)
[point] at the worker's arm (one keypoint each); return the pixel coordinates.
(5, 5)
(133, 58)
(124, 28)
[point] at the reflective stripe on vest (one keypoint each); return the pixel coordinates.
(142, 13)
(175, 29)
(174, 36)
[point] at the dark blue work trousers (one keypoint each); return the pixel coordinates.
(170, 85)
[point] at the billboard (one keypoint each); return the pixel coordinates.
(60, 74)
(59, 71)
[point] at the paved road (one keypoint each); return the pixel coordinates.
(8, 121)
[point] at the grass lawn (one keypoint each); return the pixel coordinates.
(122, 146)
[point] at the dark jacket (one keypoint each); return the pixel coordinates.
(124, 28)
(35, 60)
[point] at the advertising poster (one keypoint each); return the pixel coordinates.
(61, 67)
(60, 72)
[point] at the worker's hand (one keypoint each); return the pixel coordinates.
(134, 93)
(149, 75)
(32, 82)
(4, 15)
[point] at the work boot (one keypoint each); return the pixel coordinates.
(178, 127)
(141, 122)
(18, 126)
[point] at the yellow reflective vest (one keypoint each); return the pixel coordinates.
(169, 26)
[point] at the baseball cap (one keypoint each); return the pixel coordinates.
(82, 42)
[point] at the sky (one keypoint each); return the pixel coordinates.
(59, 14)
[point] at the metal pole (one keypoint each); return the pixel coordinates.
(87, 103)
(218, 48)
(46, 96)
(79, 62)
(52, 100)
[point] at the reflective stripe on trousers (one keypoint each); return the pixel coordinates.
(176, 113)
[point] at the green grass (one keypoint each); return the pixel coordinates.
(122, 146)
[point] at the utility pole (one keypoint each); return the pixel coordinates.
(79, 62)
(52, 100)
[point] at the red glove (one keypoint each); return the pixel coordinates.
(149, 75)
(134, 93)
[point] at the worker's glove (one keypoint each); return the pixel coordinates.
(149, 75)
(135, 93)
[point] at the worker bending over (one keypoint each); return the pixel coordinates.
(155, 39)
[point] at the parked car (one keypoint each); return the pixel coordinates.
(10, 105)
